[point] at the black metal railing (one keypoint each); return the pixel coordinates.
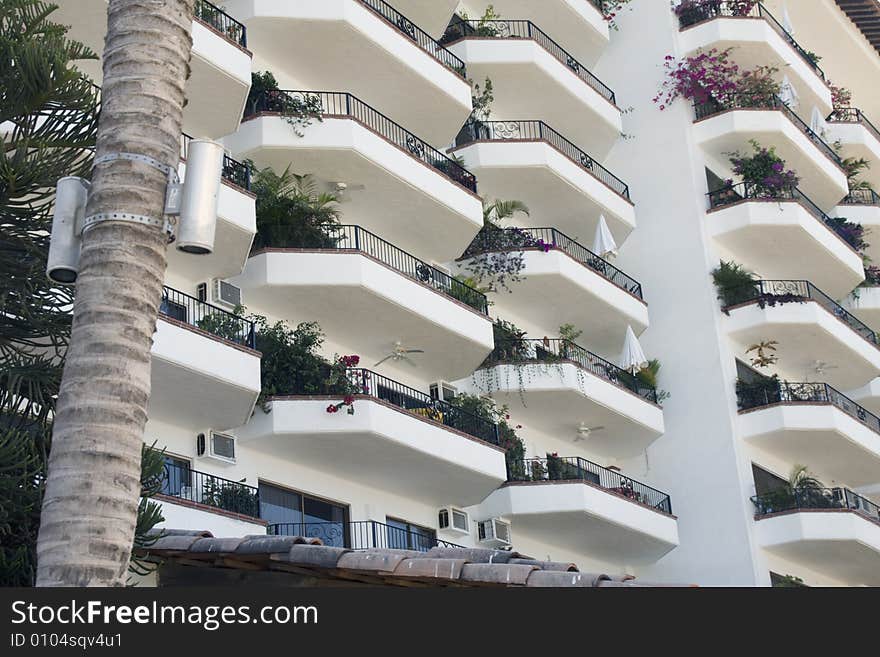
(233, 171)
(815, 498)
(333, 103)
(187, 484)
(503, 29)
(558, 468)
(773, 391)
(853, 115)
(361, 535)
(475, 131)
(355, 238)
(745, 191)
(765, 292)
(690, 13)
(550, 238)
(211, 319)
(736, 101)
(417, 35)
(861, 197)
(557, 350)
(221, 21)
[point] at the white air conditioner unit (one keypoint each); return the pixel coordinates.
(494, 532)
(453, 519)
(224, 294)
(443, 391)
(217, 446)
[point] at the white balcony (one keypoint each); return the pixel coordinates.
(182, 514)
(817, 339)
(811, 423)
(578, 25)
(722, 131)
(556, 398)
(785, 239)
(570, 285)
(760, 40)
(531, 162)
(534, 77)
(858, 138)
(864, 303)
(381, 445)
(200, 380)
(220, 66)
(584, 518)
(360, 300)
(364, 47)
(236, 227)
(390, 191)
(843, 545)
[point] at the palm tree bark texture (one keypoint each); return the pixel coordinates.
(93, 486)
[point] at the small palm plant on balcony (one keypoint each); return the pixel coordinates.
(734, 283)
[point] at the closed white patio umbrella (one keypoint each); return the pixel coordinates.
(604, 245)
(633, 356)
(787, 93)
(817, 122)
(786, 20)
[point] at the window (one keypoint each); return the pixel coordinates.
(403, 535)
(178, 477)
(301, 515)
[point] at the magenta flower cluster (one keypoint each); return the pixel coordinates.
(765, 171)
(701, 77)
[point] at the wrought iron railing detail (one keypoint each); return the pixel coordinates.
(550, 238)
(475, 131)
(362, 535)
(558, 468)
(861, 197)
(706, 11)
(336, 104)
(737, 101)
(746, 191)
(522, 29)
(355, 238)
(182, 307)
(766, 292)
(233, 171)
(421, 38)
(853, 115)
(771, 392)
(221, 21)
(185, 483)
(782, 500)
(559, 350)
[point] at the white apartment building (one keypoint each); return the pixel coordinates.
(615, 477)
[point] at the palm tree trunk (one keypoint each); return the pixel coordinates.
(90, 505)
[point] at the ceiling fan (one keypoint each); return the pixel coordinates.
(820, 367)
(584, 432)
(398, 353)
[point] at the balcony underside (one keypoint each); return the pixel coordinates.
(812, 344)
(389, 192)
(552, 186)
(342, 45)
(379, 446)
(529, 82)
(220, 69)
(821, 178)
(432, 17)
(199, 381)
(755, 44)
(584, 519)
(555, 399)
(368, 306)
(840, 544)
(865, 304)
(236, 227)
(836, 445)
(856, 141)
(576, 25)
(556, 290)
(782, 240)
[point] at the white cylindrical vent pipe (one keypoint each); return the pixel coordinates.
(71, 194)
(198, 202)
